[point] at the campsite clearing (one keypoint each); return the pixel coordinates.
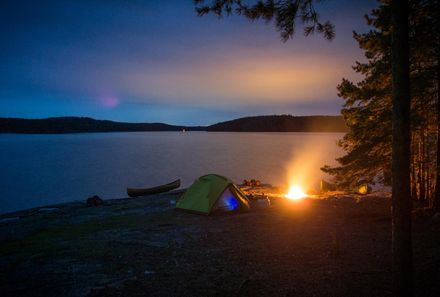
(337, 246)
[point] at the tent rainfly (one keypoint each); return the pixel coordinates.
(213, 192)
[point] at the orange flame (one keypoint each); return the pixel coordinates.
(296, 193)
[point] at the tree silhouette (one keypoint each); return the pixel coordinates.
(400, 167)
(368, 107)
(286, 14)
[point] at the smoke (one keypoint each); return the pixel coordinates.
(308, 157)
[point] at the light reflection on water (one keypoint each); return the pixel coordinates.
(45, 169)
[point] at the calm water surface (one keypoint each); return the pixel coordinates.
(46, 169)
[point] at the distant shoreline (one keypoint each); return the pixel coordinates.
(271, 123)
(209, 132)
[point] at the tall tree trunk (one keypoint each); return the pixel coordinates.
(436, 201)
(413, 165)
(422, 180)
(401, 198)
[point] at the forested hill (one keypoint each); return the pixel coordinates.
(283, 123)
(79, 125)
(274, 123)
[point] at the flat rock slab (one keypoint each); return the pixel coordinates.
(336, 246)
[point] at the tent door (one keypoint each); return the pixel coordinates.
(226, 202)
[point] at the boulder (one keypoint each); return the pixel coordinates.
(94, 201)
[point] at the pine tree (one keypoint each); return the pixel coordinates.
(368, 108)
(371, 153)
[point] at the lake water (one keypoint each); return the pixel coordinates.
(45, 169)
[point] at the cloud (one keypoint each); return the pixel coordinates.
(249, 78)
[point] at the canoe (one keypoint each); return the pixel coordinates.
(132, 192)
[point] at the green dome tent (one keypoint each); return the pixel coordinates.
(213, 192)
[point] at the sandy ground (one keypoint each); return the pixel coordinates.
(336, 246)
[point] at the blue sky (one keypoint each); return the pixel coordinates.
(156, 61)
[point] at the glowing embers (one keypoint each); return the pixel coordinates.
(296, 193)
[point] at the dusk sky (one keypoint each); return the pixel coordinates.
(157, 61)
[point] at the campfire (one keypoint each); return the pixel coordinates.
(296, 193)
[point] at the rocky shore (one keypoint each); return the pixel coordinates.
(337, 245)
